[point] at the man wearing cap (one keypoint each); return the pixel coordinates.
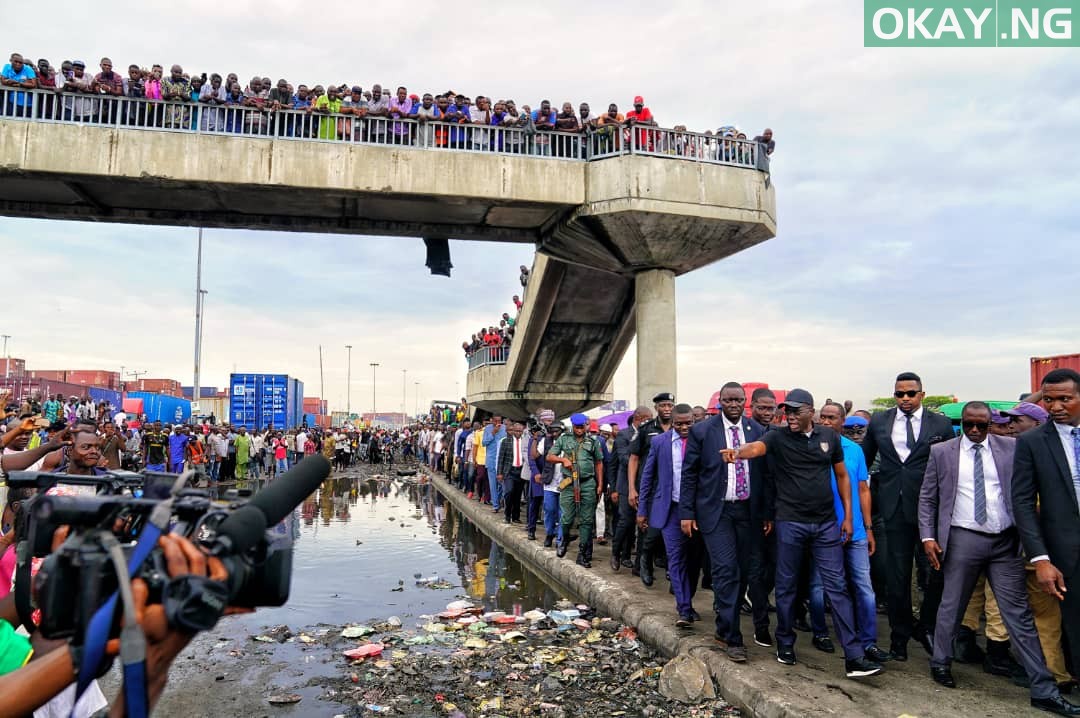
(664, 403)
(800, 459)
(661, 482)
(642, 115)
(901, 438)
(967, 527)
(622, 544)
(579, 454)
(78, 108)
(726, 503)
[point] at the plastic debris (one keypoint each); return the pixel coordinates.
(284, 699)
(366, 651)
(357, 631)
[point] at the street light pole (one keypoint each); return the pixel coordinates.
(7, 359)
(404, 373)
(348, 382)
(198, 320)
(373, 365)
(416, 399)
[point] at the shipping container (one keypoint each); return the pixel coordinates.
(162, 407)
(205, 392)
(315, 405)
(94, 377)
(338, 418)
(40, 389)
(309, 420)
(12, 368)
(1041, 366)
(99, 394)
(170, 387)
(262, 400)
(49, 374)
(216, 406)
(323, 420)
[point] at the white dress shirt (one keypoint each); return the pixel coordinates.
(676, 466)
(899, 431)
(997, 512)
(1065, 433)
(729, 495)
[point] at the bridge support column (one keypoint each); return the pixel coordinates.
(654, 299)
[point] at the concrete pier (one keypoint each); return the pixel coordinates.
(654, 297)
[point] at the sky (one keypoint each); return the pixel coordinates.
(926, 199)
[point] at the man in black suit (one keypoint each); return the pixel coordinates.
(901, 437)
(725, 502)
(1045, 492)
(625, 527)
(763, 554)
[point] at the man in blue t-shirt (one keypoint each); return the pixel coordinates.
(18, 74)
(857, 551)
(178, 442)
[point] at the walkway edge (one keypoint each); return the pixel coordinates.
(755, 693)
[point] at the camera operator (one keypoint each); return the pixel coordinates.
(46, 675)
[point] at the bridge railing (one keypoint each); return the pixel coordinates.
(245, 121)
(485, 356)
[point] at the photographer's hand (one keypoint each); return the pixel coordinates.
(164, 643)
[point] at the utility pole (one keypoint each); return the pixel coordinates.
(416, 399)
(404, 373)
(348, 381)
(373, 366)
(121, 382)
(195, 393)
(7, 359)
(322, 386)
(137, 374)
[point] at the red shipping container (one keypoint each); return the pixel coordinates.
(42, 389)
(49, 374)
(12, 367)
(323, 421)
(94, 377)
(315, 405)
(171, 387)
(1041, 366)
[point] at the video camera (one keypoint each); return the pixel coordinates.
(78, 578)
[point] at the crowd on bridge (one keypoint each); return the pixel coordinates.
(496, 340)
(152, 97)
(818, 507)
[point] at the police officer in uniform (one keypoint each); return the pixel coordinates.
(649, 541)
(578, 453)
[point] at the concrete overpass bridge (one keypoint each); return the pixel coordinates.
(614, 216)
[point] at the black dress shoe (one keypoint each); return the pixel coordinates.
(745, 608)
(942, 676)
(532, 535)
(898, 651)
(627, 563)
(561, 551)
(965, 649)
(877, 655)
(615, 563)
(1056, 705)
(824, 644)
(684, 621)
(694, 615)
(647, 578)
(925, 640)
(548, 540)
(861, 667)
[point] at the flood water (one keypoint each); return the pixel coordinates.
(370, 546)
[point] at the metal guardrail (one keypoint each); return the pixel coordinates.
(262, 121)
(486, 356)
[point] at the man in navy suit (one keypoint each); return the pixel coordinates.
(724, 502)
(658, 505)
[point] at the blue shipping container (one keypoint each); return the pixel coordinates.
(261, 400)
(98, 394)
(309, 419)
(205, 392)
(163, 408)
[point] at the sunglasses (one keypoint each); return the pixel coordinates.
(910, 394)
(977, 425)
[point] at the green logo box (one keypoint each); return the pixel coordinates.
(971, 23)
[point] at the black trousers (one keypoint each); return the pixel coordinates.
(625, 529)
(514, 487)
(904, 546)
(762, 577)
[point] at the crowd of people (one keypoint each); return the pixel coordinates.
(796, 509)
(216, 103)
(497, 339)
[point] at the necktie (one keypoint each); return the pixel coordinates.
(742, 491)
(517, 454)
(910, 434)
(980, 486)
(1076, 453)
(684, 448)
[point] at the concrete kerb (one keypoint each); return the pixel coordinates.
(753, 692)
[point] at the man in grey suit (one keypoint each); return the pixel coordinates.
(967, 528)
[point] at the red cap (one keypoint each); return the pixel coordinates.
(639, 100)
(594, 425)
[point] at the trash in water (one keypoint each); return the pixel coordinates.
(365, 651)
(357, 631)
(284, 699)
